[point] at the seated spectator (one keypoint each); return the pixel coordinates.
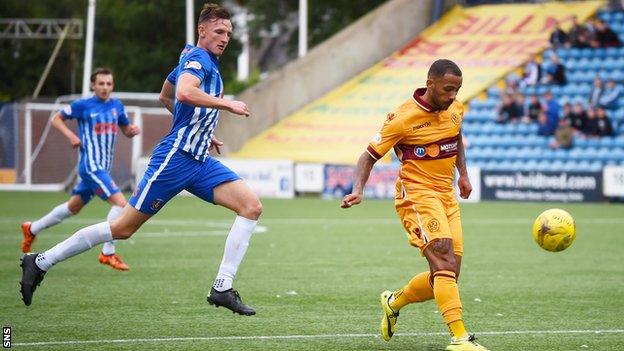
(522, 107)
(532, 73)
(555, 72)
(578, 35)
(544, 127)
(605, 36)
(535, 107)
(603, 123)
(559, 38)
(564, 135)
(596, 92)
(578, 118)
(566, 112)
(508, 111)
(591, 125)
(610, 95)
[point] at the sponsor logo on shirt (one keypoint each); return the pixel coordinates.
(105, 128)
(420, 126)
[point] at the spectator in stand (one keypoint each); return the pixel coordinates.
(559, 38)
(508, 110)
(578, 35)
(564, 135)
(601, 125)
(591, 126)
(578, 118)
(605, 36)
(555, 71)
(610, 95)
(535, 107)
(532, 73)
(566, 112)
(543, 126)
(552, 109)
(522, 107)
(596, 92)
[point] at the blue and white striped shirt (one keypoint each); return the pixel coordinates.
(193, 126)
(97, 125)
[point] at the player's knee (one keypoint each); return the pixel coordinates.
(74, 208)
(442, 255)
(252, 210)
(121, 230)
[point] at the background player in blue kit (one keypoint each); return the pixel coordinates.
(180, 161)
(98, 119)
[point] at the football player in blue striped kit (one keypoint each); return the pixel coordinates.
(98, 119)
(180, 161)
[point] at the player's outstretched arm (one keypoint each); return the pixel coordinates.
(188, 92)
(167, 95)
(465, 188)
(130, 130)
(362, 172)
(58, 122)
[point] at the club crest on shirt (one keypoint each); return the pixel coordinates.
(156, 204)
(455, 118)
(114, 112)
(433, 225)
(390, 116)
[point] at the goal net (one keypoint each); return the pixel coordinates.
(46, 161)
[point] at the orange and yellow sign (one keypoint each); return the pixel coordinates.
(487, 42)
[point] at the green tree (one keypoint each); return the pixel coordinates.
(140, 40)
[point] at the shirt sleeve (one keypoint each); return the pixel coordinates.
(73, 111)
(196, 65)
(122, 118)
(173, 76)
(390, 134)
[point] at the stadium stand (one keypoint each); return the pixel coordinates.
(518, 147)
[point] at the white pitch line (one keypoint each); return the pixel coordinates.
(226, 223)
(317, 336)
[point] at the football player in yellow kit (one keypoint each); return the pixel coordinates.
(425, 132)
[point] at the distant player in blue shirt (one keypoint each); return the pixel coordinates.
(98, 119)
(180, 161)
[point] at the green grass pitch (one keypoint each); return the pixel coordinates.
(314, 277)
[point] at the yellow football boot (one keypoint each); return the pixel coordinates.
(467, 343)
(389, 319)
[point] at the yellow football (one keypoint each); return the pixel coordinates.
(554, 230)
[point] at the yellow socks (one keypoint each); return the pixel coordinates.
(418, 289)
(447, 297)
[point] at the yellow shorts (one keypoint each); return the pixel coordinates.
(428, 215)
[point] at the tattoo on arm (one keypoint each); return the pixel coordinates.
(460, 161)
